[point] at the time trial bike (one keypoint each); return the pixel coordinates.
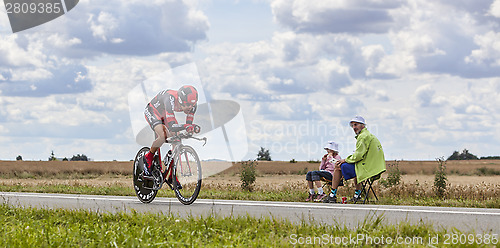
(181, 171)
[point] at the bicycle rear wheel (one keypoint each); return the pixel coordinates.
(145, 195)
(187, 170)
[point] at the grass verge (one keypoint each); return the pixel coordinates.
(30, 227)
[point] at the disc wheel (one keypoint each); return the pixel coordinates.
(187, 170)
(145, 194)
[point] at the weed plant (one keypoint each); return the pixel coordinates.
(393, 177)
(440, 178)
(248, 175)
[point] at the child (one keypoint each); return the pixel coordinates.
(326, 169)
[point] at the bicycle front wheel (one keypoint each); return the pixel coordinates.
(187, 170)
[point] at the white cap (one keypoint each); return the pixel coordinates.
(358, 119)
(332, 146)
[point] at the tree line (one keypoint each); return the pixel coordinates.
(466, 155)
(52, 157)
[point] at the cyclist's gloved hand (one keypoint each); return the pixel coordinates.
(196, 128)
(192, 128)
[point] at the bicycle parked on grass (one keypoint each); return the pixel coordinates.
(182, 171)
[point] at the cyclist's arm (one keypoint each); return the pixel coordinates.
(190, 115)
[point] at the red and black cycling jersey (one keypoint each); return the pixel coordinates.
(161, 111)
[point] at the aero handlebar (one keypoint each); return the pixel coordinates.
(184, 135)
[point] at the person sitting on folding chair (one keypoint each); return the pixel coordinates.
(367, 160)
(326, 169)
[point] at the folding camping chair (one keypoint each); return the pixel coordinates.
(368, 183)
(327, 182)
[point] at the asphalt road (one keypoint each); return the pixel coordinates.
(478, 220)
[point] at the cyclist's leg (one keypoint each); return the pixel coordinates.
(161, 133)
(157, 125)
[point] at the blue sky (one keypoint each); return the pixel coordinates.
(424, 74)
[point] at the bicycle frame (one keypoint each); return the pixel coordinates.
(177, 145)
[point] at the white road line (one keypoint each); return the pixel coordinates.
(285, 204)
(38, 195)
(260, 204)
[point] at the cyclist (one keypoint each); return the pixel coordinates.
(160, 115)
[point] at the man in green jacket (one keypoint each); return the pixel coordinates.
(367, 161)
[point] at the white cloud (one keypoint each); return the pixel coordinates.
(326, 105)
(15, 55)
(422, 38)
(112, 82)
(117, 40)
(489, 49)
(59, 78)
(123, 27)
(48, 59)
(426, 97)
(475, 109)
(59, 40)
(333, 74)
(495, 9)
(372, 54)
(50, 110)
(381, 95)
(425, 40)
(103, 26)
(30, 75)
(288, 63)
(396, 64)
(363, 16)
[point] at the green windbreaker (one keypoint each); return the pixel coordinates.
(368, 157)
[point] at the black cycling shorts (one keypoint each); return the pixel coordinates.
(153, 116)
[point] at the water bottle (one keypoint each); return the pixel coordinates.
(169, 159)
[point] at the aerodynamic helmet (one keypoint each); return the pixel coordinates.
(188, 95)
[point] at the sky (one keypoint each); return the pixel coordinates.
(424, 74)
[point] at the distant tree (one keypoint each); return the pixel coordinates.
(19, 158)
(52, 157)
(464, 155)
(491, 157)
(264, 155)
(65, 159)
(79, 157)
(454, 156)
